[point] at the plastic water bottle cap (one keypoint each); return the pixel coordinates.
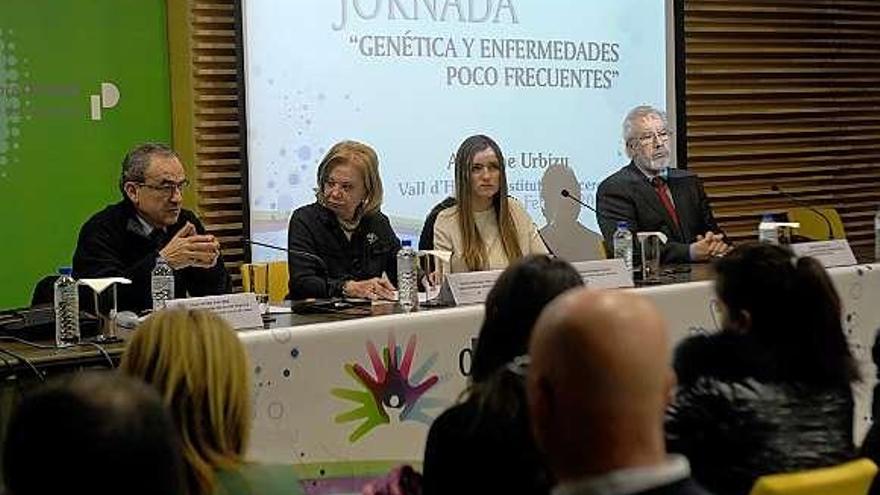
(65, 270)
(407, 243)
(622, 225)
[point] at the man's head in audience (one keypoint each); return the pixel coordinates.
(153, 179)
(598, 383)
(98, 433)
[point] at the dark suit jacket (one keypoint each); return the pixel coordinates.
(627, 196)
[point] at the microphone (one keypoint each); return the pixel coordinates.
(295, 252)
(308, 306)
(775, 188)
(599, 216)
(566, 194)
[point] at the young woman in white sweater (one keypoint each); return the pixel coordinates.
(486, 229)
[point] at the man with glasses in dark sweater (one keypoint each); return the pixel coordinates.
(126, 239)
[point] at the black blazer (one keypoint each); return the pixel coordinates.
(314, 229)
(627, 196)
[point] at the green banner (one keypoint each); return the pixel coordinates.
(81, 82)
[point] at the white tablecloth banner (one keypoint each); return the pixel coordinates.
(345, 400)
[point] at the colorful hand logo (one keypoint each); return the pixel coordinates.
(391, 387)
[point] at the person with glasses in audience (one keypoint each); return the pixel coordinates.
(653, 196)
(342, 244)
(486, 229)
(483, 444)
(126, 239)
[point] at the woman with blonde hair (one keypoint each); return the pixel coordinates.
(342, 244)
(486, 229)
(197, 363)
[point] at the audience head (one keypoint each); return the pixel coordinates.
(348, 181)
(599, 382)
(789, 305)
(646, 135)
(201, 371)
(512, 307)
(481, 183)
(96, 432)
(153, 180)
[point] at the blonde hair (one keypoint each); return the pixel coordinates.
(475, 255)
(364, 159)
(201, 371)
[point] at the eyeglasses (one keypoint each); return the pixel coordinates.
(648, 138)
(167, 188)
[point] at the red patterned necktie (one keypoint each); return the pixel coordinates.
(663, 192)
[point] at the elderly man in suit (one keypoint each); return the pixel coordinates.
(651, 196)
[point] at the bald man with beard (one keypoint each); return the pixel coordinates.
(598, 385)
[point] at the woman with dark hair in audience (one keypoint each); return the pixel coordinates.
(486, 229)
(199, 366)
(483, 444)
(770, 393)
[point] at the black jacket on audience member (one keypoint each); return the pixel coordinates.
(871, 444)
(474, 452)
(113, 244)
(314, 229)
(735, 420)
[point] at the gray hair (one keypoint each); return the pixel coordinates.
(136, 162)
(637, 113)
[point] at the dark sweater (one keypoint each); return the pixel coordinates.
(314, 229)
(112, 243)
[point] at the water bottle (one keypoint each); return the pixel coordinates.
(66, 309)
(767, 232)
(161, 283)
(623, 244)
(877, 237)
(407, 277)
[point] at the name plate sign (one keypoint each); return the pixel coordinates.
(239, 310)
(831, 253)
(468, 288)
(605, 274)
